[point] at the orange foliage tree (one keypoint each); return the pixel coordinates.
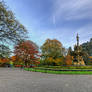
(4, 60)
(27, 51)
(68, 60)
(13, 58)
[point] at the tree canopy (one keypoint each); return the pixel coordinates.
(52, 51)
(4, 51)
(52, 48)
(10, 28)
(27, 51)
(87, 48)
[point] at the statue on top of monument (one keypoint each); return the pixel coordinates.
(78, 54)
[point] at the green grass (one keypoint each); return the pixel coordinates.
(58, 72)
(66, 67)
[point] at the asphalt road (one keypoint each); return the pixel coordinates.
(17, 80)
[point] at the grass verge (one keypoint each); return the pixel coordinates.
(59, 72)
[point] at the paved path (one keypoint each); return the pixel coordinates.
(17, 80)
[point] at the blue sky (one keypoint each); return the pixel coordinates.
(59, 19)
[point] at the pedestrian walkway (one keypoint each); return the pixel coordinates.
(18, 80)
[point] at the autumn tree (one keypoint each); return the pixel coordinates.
(52, 52)
(16, 60)
(10, 28)
(13, 58)
(68, 60)
(27, 51)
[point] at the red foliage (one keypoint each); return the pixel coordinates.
(27, 51)
(18, 65)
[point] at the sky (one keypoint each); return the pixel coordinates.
(54, 19)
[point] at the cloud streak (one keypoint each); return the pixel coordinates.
(72, 9)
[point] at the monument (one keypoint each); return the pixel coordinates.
(78, 54)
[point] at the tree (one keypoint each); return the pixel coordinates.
(4, 54)
(60, 61)
(14, 58)
(68, 60)
(10, 28)
(4, 51)
(87, 48)
(4, 60)
(27, 51)
(69, 51)
(51, 50)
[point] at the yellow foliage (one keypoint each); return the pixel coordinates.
(57, 61)
(50, 59)
(90, 57)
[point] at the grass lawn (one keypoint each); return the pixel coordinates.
(58, 72)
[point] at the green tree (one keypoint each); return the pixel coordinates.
(87, 48)
(51, 50)
(10, 28)
(4, 51)
(69, 51)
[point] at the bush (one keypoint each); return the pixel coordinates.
(66, 67)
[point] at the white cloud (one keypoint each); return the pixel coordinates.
(85, 33)
(72, 9)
